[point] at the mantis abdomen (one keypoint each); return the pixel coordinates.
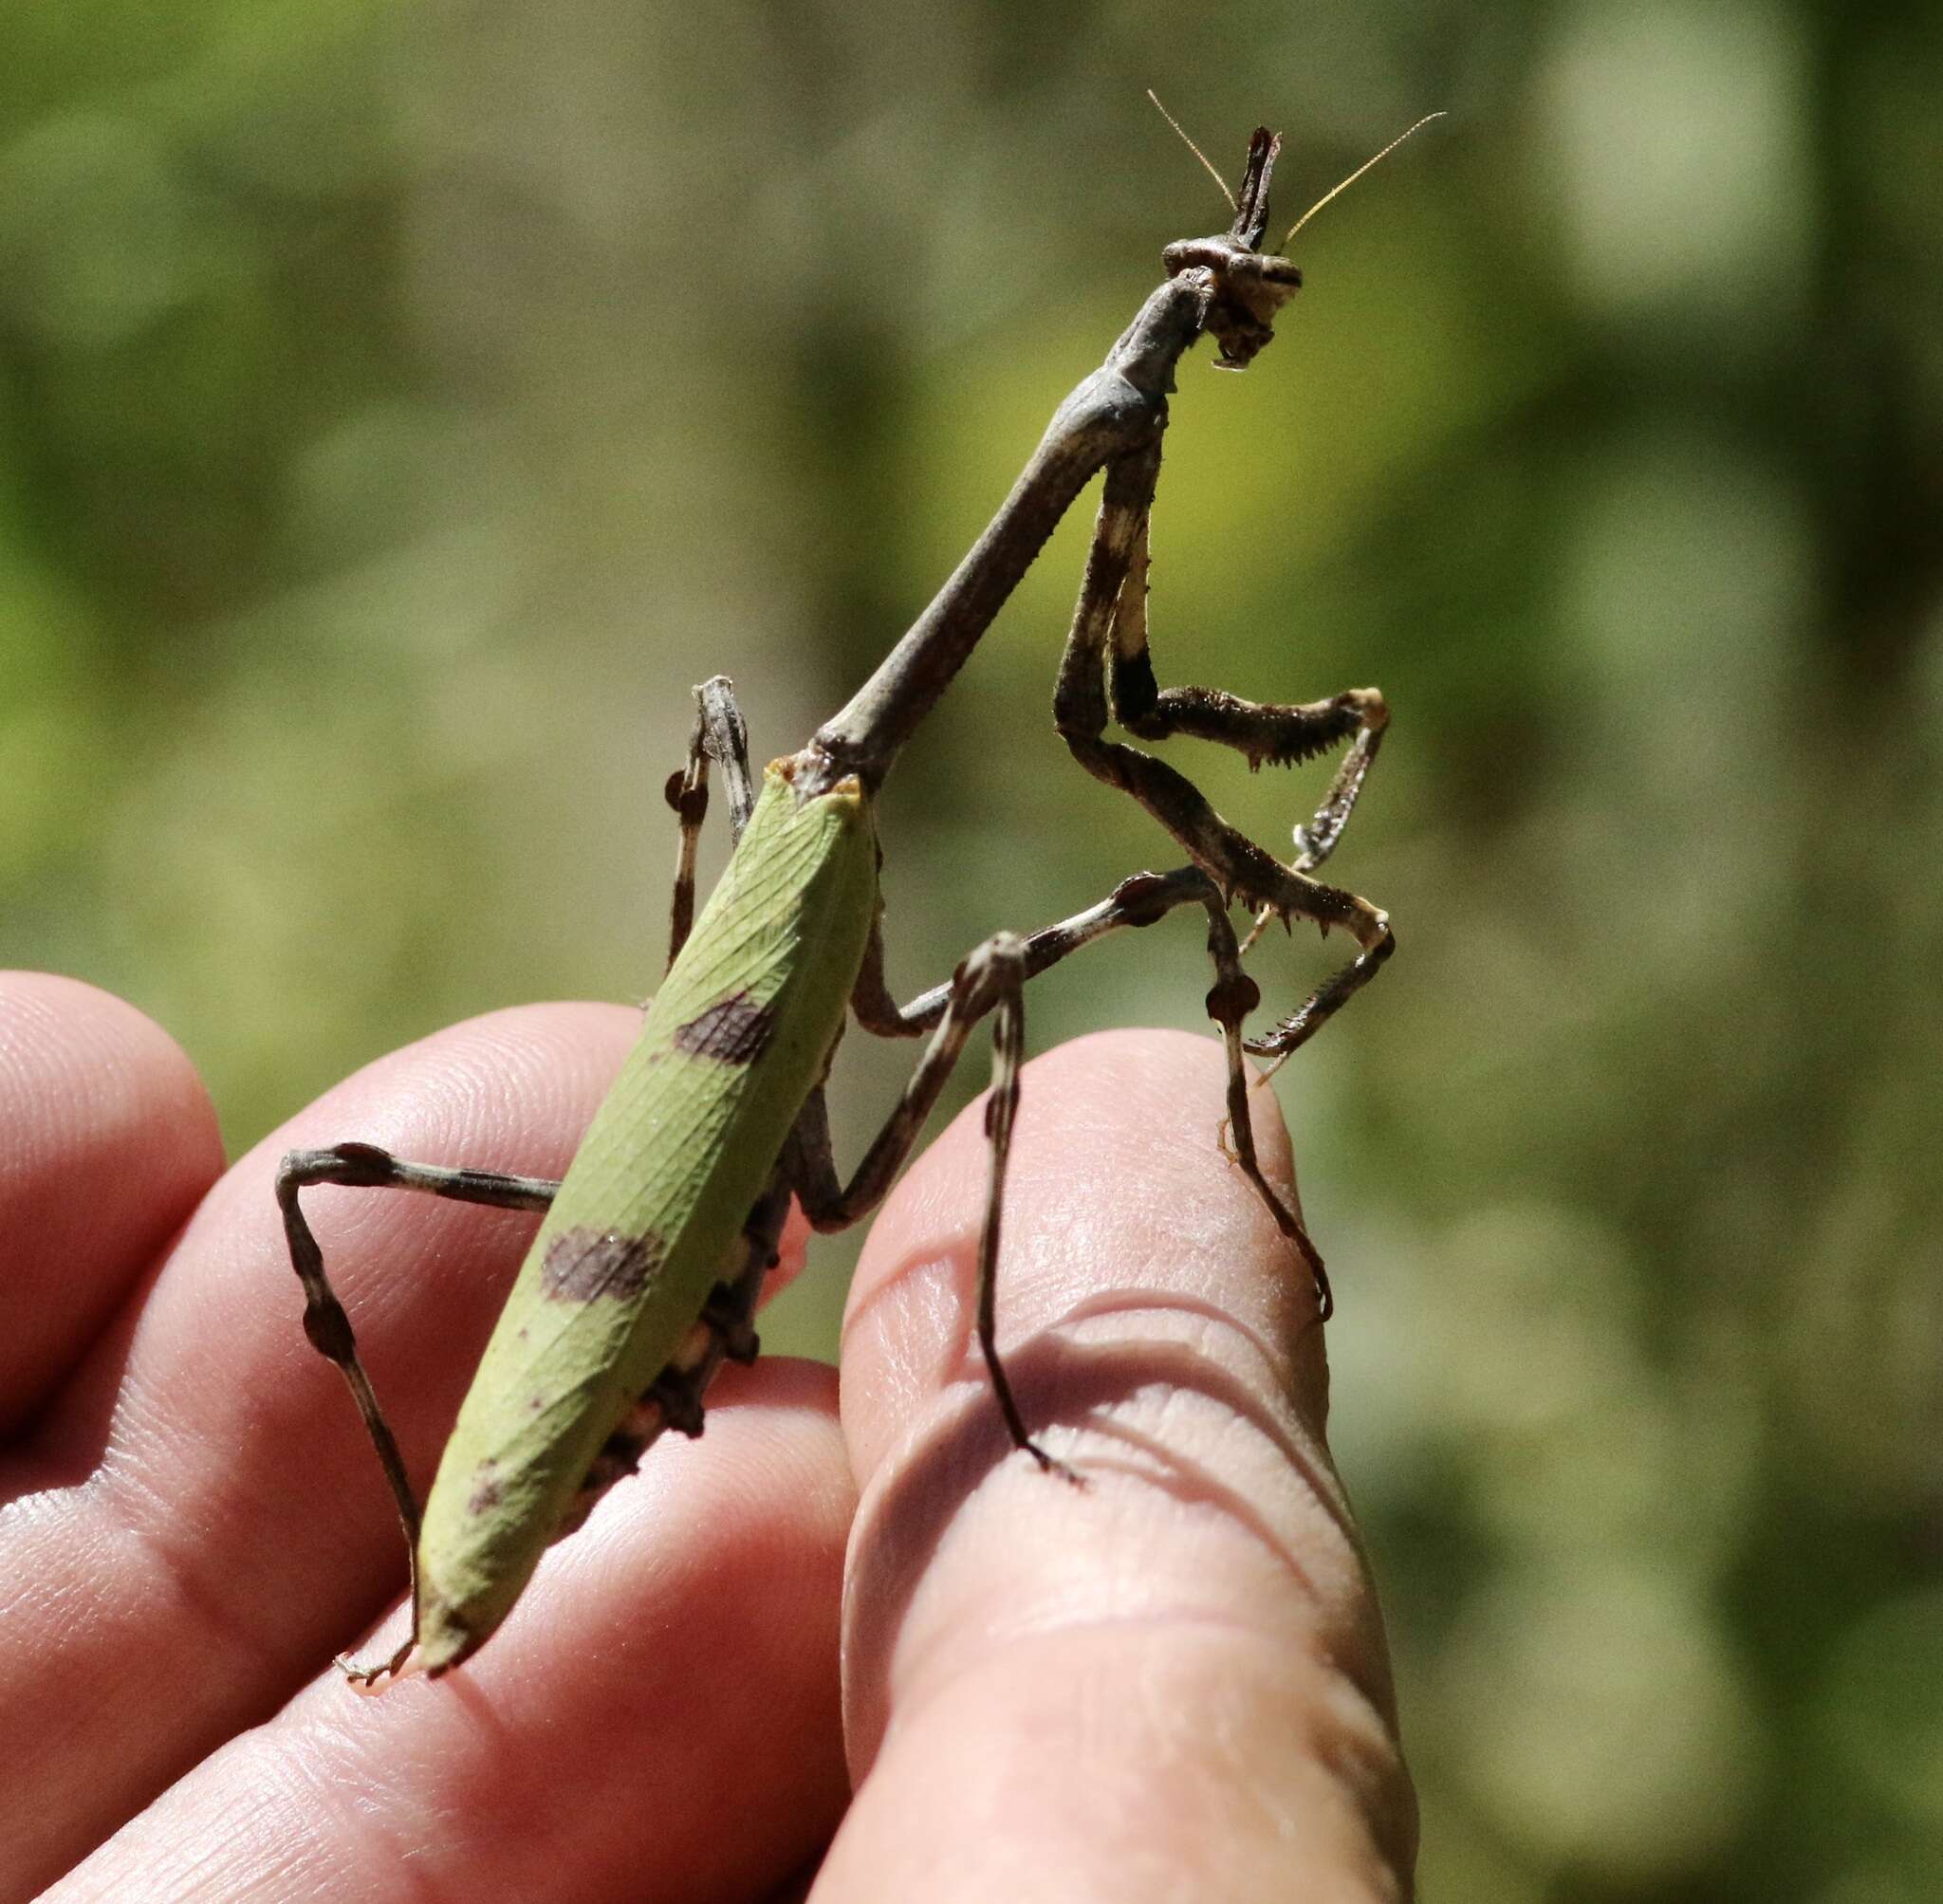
(655, 1199)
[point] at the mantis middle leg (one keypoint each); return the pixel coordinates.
(720, 734)
(1139, 900)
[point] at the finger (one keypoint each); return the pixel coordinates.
(106, 1141)
(205, 1489)
(658, 1719)
(1174, 1679)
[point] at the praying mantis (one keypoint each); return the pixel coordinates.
(646, 1270)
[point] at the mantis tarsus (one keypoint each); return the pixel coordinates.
(645, 1273)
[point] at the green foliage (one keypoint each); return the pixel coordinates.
(397, 413)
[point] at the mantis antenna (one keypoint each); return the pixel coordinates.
(1347, 183)
(1205, 162)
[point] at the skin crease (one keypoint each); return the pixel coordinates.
(1170, 1683)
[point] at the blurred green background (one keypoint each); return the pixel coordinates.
(400, 408)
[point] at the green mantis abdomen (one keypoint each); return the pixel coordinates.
(654, 1201)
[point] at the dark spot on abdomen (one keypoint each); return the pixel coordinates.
(732, 1032)
(582, 1265)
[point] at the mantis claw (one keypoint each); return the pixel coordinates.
(365, 1680)
(1051, 1464)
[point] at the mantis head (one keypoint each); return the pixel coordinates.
(1245, 287)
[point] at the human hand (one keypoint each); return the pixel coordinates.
(1170, 1683)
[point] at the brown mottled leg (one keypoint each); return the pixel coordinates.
(365, 1166)
(719, 735)
(1317, 841)
(990, 981)
(1281, 734)
(1233, 995)
(1137, 901)
(1329, 998)
(1110, 623)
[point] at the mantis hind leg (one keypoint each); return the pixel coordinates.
(365, 1166)
(989, 982)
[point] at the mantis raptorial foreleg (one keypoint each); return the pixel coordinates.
(1110, 622)
(1281, 734)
